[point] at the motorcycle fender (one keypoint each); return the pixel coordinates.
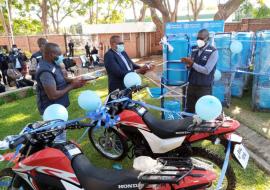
(159, 145)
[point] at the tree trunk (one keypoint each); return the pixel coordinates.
(133, 8)
(196, 8)
(142, 13)
(44, 16)
(156, 20)
(225, 10)
(4, 22)
(96, 12)
(175, 12)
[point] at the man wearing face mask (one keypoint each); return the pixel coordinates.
(36, 57)
(202, 65)
(17, 58)
(118, 64)
(52, 86)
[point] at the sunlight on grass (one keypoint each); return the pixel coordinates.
(236, 110)
(16, 118)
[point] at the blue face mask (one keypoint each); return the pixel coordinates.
(120, 48)
(59, 59)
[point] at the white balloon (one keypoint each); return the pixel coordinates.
(89, 100)
(55, 111)
(132, 79)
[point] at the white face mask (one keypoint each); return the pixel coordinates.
(200, 43)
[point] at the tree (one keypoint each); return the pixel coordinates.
(44, 15)
(143, 9)
(112, 14)
(4, 24)
(169, 13)
(59, 10)
(142, 13)
(245, 11)
(38, 8)
(226, 9)
(26, 26)
(196, 8)
(263, 11)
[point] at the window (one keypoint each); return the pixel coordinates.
(127, 37)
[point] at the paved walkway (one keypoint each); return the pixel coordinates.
(258, 147)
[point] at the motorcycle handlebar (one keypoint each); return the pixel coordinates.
(78, 125)
(132, 89)
(20, 140)
(25, 137)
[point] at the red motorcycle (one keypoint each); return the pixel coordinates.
(138, 133)
(43, 164)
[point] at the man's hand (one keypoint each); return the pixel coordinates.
(188, 61)
(145, 68)
(142, 70)
(77, 83)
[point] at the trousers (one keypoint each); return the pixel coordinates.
(194, 93)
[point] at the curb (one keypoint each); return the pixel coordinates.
(256, 145)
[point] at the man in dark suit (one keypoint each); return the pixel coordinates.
(118, 64)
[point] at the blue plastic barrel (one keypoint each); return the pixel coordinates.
(237, 88)
(219, 92)
(156, 92)
(175, 72)
(174, 106)
(261, 85)
(222, 43)
(242, 59)
(264, 97)
(262, 57)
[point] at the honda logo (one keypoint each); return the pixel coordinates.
(127, 186)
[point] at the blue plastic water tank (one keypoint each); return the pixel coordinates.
(264, 97)
(172, 105)
(219, 92)
(156, 92)
(242, 59)
(176, 73)
(222, 43)
(262, 57)
(237, 88)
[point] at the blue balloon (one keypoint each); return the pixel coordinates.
(132, 79)
(217, 75)
(89, 100)
(55, 111)
(236, 47)
(208, 107)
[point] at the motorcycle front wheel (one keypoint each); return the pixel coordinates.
(108, 142)
(6, 180)
(206, 156)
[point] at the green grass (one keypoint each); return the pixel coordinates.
(241, 110)
(15, 115)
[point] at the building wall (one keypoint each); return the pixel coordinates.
(248, 25)
(29, 43)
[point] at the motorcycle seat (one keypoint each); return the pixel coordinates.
(93, 178)
(167, 128)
